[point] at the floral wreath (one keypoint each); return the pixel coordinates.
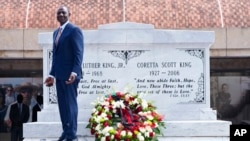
(124, 116)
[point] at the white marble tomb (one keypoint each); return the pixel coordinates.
(171, 68)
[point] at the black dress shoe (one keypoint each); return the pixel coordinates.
(72, 139)
(61, 139)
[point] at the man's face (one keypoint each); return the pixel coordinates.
(225, 89)
(26, 96)
(8, 91)
(62, 15)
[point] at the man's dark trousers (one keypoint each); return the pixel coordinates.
(67, 102)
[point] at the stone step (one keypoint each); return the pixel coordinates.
(55, 139)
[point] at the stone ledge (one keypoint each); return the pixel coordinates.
(214, 128)
(160, 139)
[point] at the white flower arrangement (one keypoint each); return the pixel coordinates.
(125, 116)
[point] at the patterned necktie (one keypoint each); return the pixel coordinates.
(58, 35)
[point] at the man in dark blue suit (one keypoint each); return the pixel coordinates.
(19, 114)
(66, 68)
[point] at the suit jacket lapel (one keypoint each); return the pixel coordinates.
(56, 32)
(65, 30)
(54, 39)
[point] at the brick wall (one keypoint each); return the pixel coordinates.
(166, 14)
